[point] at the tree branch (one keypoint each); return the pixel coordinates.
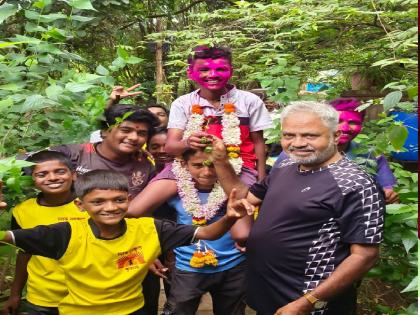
(176, 12)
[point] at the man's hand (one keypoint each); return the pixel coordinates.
(119, 92)
(391, 196)
(238, 208)
(3, 205)
(300, 306)
(11, 306)
(158, 269)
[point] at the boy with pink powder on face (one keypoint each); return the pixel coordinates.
(211, 69)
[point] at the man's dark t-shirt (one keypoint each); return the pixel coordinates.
(307, 222)
(86, 158)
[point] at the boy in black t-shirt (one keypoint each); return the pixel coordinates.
(106, 258)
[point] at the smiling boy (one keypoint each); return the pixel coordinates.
(53, 176)
(120, 148)
(106, 258)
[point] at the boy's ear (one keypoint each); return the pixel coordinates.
(79, 204)
(73, 176)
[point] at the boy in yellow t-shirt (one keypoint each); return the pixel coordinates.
(106, 257)
(53, 175)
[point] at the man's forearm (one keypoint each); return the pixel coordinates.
(347, 273)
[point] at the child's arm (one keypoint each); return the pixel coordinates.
(21, 275)
(236, 209)
(44, 240)
(176, 146)
(259, 147)
(151, 197)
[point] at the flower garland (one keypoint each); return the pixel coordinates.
(189, 195)
(200, 213)
(186, 187)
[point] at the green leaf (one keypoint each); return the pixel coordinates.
(397, 136)
(412, 286)
(101, 70)
(7, 10)
(53, 91)
(78, 87)
(81, 18)
(122, 53)
(81, 4)
(134, 60)
(34, 102)
(391, 100)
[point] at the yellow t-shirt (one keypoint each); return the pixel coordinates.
(97, 286)
(46, 284)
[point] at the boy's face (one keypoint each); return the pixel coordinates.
(211, 74)
(157, 148)
(105, 207)
(204, 176)
(53, 177)
(127, 137)
(350, 125)
(160, 114)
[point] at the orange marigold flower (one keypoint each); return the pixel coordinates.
(229, 108)
(196, 109)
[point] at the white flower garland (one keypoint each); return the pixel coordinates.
(231, 135)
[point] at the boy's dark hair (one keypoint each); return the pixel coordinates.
(100, 179)
(159, 106)
(205, 52)
(137, 115)
(46, 155)
(158, 131)
(188, 154)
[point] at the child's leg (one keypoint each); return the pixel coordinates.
(228, 294)
(151, 291)
(186, 291)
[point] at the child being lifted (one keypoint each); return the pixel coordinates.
(106, 257)
(216, 108)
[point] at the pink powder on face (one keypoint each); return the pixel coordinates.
(350, 125)
(211, 74)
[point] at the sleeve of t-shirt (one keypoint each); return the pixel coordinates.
(178, 118)
(173, 235)
(384, 175)
(259, 118)
(260, 189)
(361, 217)
(14, 225)
(44, 240)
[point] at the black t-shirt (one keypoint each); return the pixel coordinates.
(307, 222)
(52, 240)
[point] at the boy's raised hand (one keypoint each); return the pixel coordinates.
(119, 92)
(238, 208)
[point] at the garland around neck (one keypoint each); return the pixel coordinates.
(231, 135)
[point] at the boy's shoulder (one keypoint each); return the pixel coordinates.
(31, 202)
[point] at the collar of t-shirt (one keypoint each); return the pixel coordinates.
(229, 97)
(97, 233)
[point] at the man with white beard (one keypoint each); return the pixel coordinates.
(320, 220)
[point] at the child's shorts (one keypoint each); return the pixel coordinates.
(32, 309)
(227, 290)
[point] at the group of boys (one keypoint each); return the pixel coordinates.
(97, 262)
